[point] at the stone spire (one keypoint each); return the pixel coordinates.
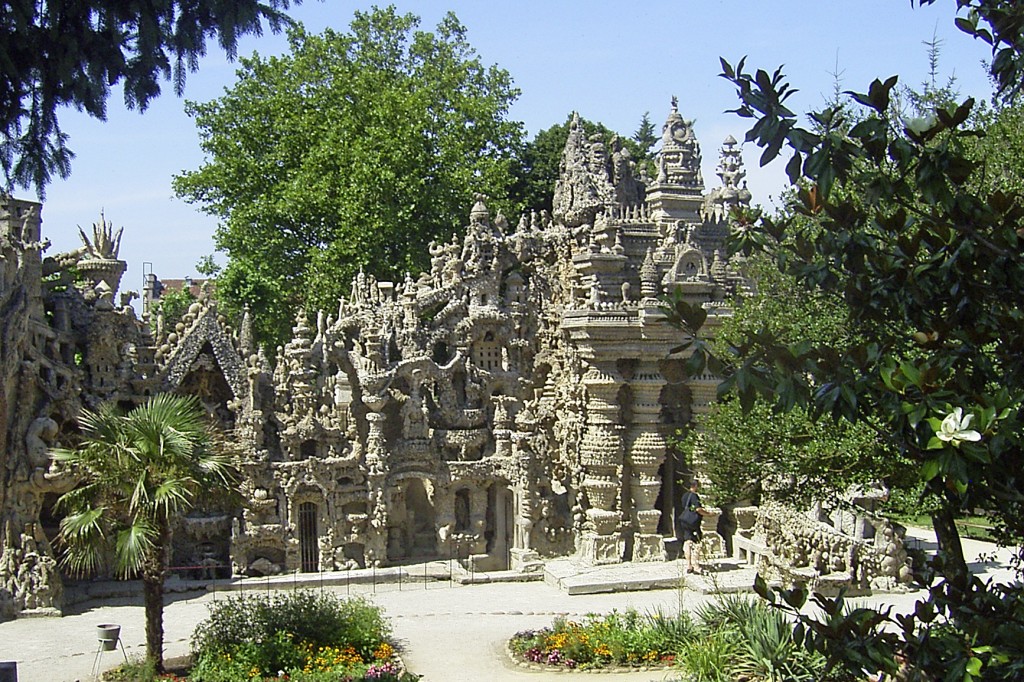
(649, 276)
(679, 158)
(584, 187)
(246, 343)
(733, 191)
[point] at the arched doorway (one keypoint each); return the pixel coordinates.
(421, 517)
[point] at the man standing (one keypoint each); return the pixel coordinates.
(688, 517)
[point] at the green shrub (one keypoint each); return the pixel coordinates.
(669, 633)
(759, 640)
(310, 618)
(768, 651)
(251, 636)
(726, 610)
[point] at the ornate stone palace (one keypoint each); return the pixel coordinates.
(512, 403)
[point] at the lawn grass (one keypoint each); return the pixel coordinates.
(973, 527)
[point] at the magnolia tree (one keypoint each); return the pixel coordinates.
(892, 218)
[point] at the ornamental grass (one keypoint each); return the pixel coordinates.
(732, 638)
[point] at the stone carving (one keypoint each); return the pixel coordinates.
(507, 404)
(733, 192)
(510, 403)
(816, 550)
(584, 185)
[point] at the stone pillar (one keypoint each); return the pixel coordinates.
(646, 453)
(704, 388)
(601, 457)
(377, 533)
(704, 391)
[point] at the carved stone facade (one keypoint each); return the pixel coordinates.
(63, 345)
(511, 403)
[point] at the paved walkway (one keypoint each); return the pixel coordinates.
(449, 632)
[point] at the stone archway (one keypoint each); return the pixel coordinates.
(412, 527)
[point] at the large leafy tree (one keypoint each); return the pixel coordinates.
(352, 151)
(747, 450)
(62, 53)
(139, 471)
(746, 446)
(928, 257)
(929, 271)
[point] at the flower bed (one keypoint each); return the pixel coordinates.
(299, 636)
(616, 639)
(731, 638)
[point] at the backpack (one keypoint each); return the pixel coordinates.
(689, 518)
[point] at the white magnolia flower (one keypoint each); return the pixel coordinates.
(955, 428)
(921, 125)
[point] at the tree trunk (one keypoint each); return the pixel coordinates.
(153, 598)
(954, 566)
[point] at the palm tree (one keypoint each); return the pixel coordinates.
(139, 472)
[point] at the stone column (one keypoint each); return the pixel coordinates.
(377, 508)
(500, 551)
(704, 389)
(646, 453)
(601, 457)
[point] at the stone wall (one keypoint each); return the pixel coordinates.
(510, 403)
(811, 549)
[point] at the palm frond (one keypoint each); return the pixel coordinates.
(134, 544)
(78, 499)
(173, 495)
(83, 539)
(218, 469)
(138, 471)
(140, 493)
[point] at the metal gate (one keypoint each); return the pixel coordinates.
(308, 538)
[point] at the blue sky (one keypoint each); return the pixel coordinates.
(611, 61)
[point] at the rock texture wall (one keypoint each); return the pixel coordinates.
(511, 403)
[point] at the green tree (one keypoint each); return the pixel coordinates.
(789, 456)
(928, 270)
(645, 137)
(139, 471)
(999, 23)
(172, 306)
(352, 151)
(208, 267)
(59, 53)
(928, 258)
